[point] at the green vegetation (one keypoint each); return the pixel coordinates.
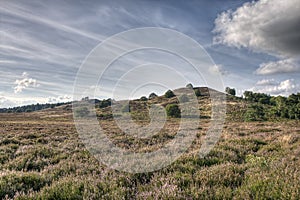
(255, 112)
(230, 91)
(190, 86)
(152, 95)
(143, 98)
(266, 107)
(197, 92)
(173, 110)
(169, 94)
(31, 108)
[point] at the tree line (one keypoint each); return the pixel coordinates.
(30, 108)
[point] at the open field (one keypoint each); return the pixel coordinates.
(41, 157)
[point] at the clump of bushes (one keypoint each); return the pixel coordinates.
(169, 94)
(143, 98)
(197, 92)
(152, 95)
(173, 110)
(255, 113)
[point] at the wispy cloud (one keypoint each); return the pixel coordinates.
(14, 9)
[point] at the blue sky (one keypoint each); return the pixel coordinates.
(255, 45)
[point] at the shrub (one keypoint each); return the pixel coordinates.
(64, 189)
(10, 184)
(255, 113)
(197, 92)
(173, 110)
(169, 94)
(230, 91)
(143, 98)
(152, 95)
(190, 86)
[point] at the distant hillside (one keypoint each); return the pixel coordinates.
(31, 108)
(251, 107)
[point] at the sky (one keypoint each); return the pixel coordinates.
(254, 45)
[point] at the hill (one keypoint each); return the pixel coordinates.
(42, 156)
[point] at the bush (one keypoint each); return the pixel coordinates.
(197, 92)
(173, 110)
(65, 189)
(104, 103)
(143, 98)
(230, 91)
(152, 95)
(255, 113)
(10, 184)
(169, 94)
(190, 86)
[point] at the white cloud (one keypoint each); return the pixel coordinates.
(265, 82)
(281, 66)
(263, 26)
(218, 69)
(64, 98)
(24, 83)
(283, 88)
(6, 103)
(11, 101)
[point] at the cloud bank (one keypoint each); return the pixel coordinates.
(281, 66)
(270, 86)
(264, 26)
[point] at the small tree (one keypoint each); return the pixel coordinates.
(173, 110)
(197, 92)
(169, 94)
(190, 86)
(143, 98)
(152, 95)
(230, 91)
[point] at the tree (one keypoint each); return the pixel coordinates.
(230, 91)
(197, 92)
(169, 94)
(248, 95)
(173, 110)
(255, 113)
(143, 98)
(190, 86)
(152, 95)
